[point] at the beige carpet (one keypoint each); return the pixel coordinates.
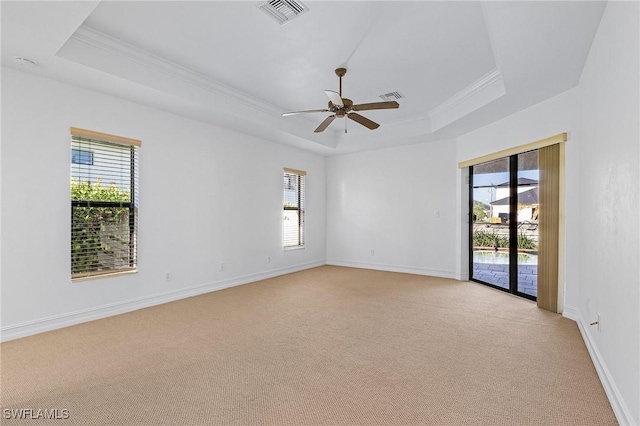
(324, 346)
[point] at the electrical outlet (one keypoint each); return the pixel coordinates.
(222, 265)
(167, 276)
(268, 259)
(373, 252)
(436, 214)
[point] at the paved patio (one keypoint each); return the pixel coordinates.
(497, 274)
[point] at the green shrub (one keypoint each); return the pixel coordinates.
(526, 243)
(491, 239)
(87, 223)
(479, 212)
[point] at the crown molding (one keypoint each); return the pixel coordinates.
(468, 100)
(115, 47)
(471, 90)
(478, 94)
(473, 97)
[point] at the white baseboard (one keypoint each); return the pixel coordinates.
(54, 322)
(570, 312)
(620, 408)
(394, 268)
(462, 277)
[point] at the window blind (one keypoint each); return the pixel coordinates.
(293, 208)
(548, 249)
(104, 204)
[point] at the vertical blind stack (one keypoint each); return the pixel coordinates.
(104, 203)
(548, 250)
(294, 208)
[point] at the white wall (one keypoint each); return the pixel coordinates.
(386, 201)
(602, 186)
(609, 194)
(207, 196)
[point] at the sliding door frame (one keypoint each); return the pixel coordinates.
(513, 230)
(553, 302)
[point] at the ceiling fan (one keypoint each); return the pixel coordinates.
(343, 107)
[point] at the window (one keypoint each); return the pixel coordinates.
(104, 203)
(81, 157)
(294, 208)
(290, 181)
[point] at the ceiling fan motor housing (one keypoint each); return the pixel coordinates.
(340, 111)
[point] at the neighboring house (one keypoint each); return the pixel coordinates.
(527, 200)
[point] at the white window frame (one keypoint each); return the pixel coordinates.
(294, 209)
(120, 256)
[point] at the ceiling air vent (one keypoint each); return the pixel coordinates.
(392, 96)
(283, 11)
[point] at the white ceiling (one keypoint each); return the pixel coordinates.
(460, 65)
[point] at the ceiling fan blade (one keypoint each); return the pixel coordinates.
(363, 120)
(325, 123)
(376, 105)
(286, 114)
(334, 97)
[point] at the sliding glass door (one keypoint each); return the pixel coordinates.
(490, 223)
(504, 210)
(528, 208)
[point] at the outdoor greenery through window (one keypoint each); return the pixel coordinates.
(104, 203)
(294, 208)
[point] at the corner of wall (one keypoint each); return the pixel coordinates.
(620, 409)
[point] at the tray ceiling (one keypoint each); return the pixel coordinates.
(459, 65)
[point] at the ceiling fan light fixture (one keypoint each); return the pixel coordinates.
(283, 11)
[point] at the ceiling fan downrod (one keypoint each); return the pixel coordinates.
(340, 72)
